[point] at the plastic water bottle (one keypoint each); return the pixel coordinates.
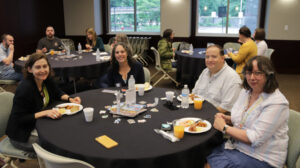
(185, 97)
(79, 48)
(191, 50)
(98, 55)
(131, 92)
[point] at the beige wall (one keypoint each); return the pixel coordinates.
(281, 13)
(176, 14)
(79, 15)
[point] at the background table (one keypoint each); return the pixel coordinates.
(189, 67)
(139, 145)
(86, 67)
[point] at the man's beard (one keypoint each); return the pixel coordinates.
(50, 36)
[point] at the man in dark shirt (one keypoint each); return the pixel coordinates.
(49, 42)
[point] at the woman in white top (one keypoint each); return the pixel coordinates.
(258, 125)
(259, 37)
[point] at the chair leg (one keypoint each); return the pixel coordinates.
(159, 80)
(177, 83)
(12, 164)
(154, 75)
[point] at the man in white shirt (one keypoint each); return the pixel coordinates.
(7, 49)
(219, 84)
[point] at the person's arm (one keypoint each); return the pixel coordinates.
(164, 51)
(241, 55)
(9, 59)
(229, 94)
(99, 44)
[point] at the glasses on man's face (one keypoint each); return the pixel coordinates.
(255, 73)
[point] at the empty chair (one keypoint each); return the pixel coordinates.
(50, 160)
(159, 69)
(146, 74)
(294, 139)
(69, 42)
(107, 48)
(8, 152)
(269, 53)
(234, 46)
(184, 46)
(5, 83)
(176, 45)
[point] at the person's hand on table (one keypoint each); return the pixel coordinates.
(219, 122)
(87, 46)
(76, 100)
(44, 50)
(54, 114)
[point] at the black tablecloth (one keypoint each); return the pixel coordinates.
(86, 67)
(139, 145)
(189, 67)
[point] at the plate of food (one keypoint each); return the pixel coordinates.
(69, 108)
(87, 50)
(194, 125)
(191, 98)
(147, 86)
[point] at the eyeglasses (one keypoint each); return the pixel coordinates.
(256, 73)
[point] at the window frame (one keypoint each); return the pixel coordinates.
(227, 20)
(135, 26)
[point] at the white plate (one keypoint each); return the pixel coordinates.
(146, 89)
(68, 112)
(186, 129)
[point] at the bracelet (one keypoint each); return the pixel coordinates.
(224, 128)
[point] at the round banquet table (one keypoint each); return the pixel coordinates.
(86, 67)
(139, 145)
(189, 67)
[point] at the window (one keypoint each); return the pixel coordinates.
(134, 15)
(213, 17)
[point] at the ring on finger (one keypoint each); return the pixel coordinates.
(54, 115)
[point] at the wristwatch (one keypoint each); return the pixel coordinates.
(224, 128)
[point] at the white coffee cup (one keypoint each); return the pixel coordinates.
(88, 114)
(141, 89)
(170, 96)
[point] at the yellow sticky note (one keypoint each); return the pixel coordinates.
(106, 141)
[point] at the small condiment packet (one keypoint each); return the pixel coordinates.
(104, 116)
(147, 116)
(102, 112)
(155, 110)
(131, 121)
(163, 98)
(178, 106)
(117, 121)
(114, 102)
(107, 107)
(142, 121)
(108, 91)
(142, 102)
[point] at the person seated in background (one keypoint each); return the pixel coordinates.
(259, 37)
(32, 98)
(165, 50)
(258, 124)
(218, 83)
(246, 51)
(92, 41)
(122, 66)
(7, 49)
(50, 42)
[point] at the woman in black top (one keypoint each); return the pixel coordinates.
(122, 66)
(33, 95)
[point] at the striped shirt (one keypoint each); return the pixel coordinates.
(266, 125)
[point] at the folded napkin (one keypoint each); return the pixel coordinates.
(167, 135)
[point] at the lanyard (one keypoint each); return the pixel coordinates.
(246, 112)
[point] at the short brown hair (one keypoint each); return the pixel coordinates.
(260, 34)
(32, 59)
(264, 65)
(217, 46)
(245, 31)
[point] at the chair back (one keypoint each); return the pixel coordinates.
(70, 43)
(157, 58)
(7, 82)
(269, 53)
(50, 160)
(6, 101)
(234, 46)
(184, 46)
(294, 139)
(176, 45)
(146, 74)
(107, 48)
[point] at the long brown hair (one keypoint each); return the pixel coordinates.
(94, 39)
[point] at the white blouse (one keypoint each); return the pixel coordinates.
(262, 47)
(266, 125)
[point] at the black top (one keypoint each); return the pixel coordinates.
(54, 44)
(28, 101)
(99, 45)
(113, 76)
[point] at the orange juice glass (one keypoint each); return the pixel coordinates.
(198, 103)
(178, 131)
(52, 52)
